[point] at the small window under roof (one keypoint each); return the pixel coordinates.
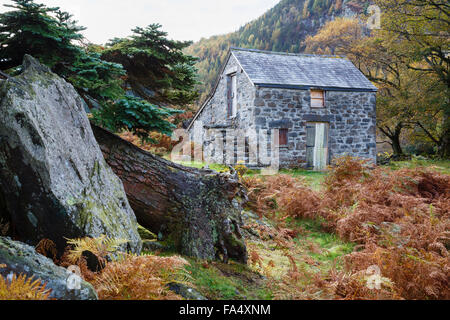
(317, 99)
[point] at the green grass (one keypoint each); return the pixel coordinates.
(331, 245)
(201, 165)
(442, 166)
(218, 281)
(313, 178)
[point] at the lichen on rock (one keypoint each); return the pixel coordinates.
(54, 181)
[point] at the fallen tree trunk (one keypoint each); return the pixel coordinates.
(196, 211)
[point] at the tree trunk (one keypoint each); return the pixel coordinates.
(394, 136)
(444, 151)
(444, 148)
(396, 145)
(443, 142)
(196, 211)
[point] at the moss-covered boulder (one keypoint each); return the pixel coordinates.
(54, 181)
(19, 258)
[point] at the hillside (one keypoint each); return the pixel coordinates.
(282, 28)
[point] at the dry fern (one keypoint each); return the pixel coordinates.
(22, 288)
(47, 248)
(141, 278)
(399, 218)
(102, 247)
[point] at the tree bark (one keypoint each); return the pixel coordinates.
(444, 147)
(394, 136)
(443, 142)
(444, 150)
(196, 211)
(396, 145)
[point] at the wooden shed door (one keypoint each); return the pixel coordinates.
(317, 145)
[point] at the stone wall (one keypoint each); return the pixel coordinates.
(215, 118)
(215, 111)
(351, 116)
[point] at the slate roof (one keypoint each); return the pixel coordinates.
(287, 70)
(295, 71)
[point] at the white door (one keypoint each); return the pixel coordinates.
(317, 145)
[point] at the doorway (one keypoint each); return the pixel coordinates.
(317, 153)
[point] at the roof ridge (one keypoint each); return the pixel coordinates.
(288, 54)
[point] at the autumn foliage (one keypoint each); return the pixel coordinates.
(399, 219)
(22, 288)
(140, 278)
(161, 143)
(122, 276)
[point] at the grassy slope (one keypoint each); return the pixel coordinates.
(316, 252)
(218, 281)
(442, 166)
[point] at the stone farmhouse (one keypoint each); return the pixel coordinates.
(322, 107)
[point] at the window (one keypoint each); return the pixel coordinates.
(317, 99)
(283, 137)
(232, 95)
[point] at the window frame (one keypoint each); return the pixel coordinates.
(323, 98)
(232, 95)
(285, 132)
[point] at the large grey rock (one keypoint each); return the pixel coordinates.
(20, 258)
(54, 181)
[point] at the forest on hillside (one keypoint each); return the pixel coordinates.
(282, 29)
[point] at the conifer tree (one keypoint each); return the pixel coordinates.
(51, 36)
(157, 68)
(32, 28)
